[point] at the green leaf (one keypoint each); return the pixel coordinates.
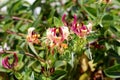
(71, 62)
(19, 66)
(35, 65)
(32, 48)
(91, 11)
(18, 75)
(7, 25)
(118, 1)
(4, 70)
(114, 30)
(108, 17)
(118, 49)
(59, 64)
(113, 72)
(32, 76)
(59, 74)
(57, 22)
(45, 78)
(24, 27)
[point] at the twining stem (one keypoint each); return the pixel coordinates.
(28, 54)
(18, 18)
(39, 58)
(19, 34)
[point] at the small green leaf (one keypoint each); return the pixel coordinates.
(24, 27)
(45, 78)
(19, 66)
(59, 74)
(32, 48)
(57, 22)
(113, 72)
(59, 64)
(18, 75)
(118, 49)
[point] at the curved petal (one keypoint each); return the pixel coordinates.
(63, 19)
(15, 60)
(30, 30)
(65, 32)
(74, 21)
(5, 63)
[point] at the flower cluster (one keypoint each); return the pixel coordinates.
(79, 29)
(57, 36)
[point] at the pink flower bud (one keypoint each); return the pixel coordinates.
(7, 64)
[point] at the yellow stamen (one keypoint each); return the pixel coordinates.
(64, 45)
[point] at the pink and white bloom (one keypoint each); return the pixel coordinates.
(57, 35)
(80, 29)
(7, 64)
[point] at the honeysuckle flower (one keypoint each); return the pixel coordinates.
(57, 35)
(7, 64)
(32, 36)
(80, 29)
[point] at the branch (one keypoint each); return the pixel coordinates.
(18, 18)
(39, 58)
(19, 34)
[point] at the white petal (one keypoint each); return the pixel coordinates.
(30, 30)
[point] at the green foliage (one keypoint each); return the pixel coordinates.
(113, 71)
